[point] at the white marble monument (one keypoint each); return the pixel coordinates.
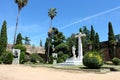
(80, 49)
(76, 60)
(16, 56)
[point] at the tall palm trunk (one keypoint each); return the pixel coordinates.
(16, 28)
(49, 44)
(51, 23)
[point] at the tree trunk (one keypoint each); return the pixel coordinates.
(16, 28)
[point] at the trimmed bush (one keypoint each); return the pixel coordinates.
(93, 60)
(35, 58)
(7, 57)
(116, 61)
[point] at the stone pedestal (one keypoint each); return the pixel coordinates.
(54, 55)
(16, 56)
(72, 61)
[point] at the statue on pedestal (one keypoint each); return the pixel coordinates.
(73, 52)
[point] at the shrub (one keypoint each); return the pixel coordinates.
(7, 57)
(60, 60)
(36, 58)
(62, 57)
(116, 61)
(22, 58)
(93, 60)
(21, 47)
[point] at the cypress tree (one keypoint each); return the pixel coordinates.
(40, 43)
(92, 37)
(110, 33)
(81, 30)
(97, 42)
(19, 39)
(3, 38)
(111, 40)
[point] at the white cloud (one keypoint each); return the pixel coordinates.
(90, 17)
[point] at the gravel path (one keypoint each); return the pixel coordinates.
(20, 72)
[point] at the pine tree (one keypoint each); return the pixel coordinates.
(97, 42)
(3, 38)
(111, 40)
(92, 37)
(19, 39)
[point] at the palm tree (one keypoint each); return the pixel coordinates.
(21, 4)
(52, 13)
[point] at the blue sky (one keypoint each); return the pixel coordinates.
(34, 21)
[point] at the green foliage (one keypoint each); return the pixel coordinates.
(3, 38)
(21, 47)
(92, 37)
(22, 58)
(111, 40)
(21, 3)
(117, 37)
(40, 43)
(116, 61)
(93, 60)
(48, 48)
(70, 42)
(7, 57)
(52, 13)
(27, 40)
(97, 42)
(62, 47)
(62, 57)
(111, 32)
(0, 59)
(34, 58)
(19, 39)
(58, 37)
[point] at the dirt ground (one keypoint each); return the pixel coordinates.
(20, 72)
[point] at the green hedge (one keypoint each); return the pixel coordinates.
(93, 60)
(35, 58)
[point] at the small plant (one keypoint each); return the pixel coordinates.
(35, 58)
(116, 61)
(93, 60)
(7, 57)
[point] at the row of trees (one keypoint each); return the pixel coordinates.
(57, 43)
(63, 46)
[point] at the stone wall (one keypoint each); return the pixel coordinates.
(104, 48)
(30, 49)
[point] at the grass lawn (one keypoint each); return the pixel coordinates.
(105, 68)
